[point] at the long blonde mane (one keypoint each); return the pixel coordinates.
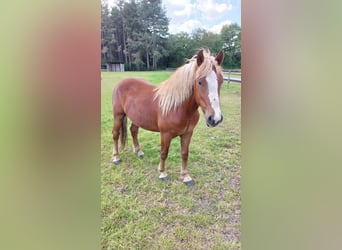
(172, 92)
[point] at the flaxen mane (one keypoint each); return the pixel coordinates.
(172, 92)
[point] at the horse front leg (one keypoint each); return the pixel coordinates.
(164, 151)
(136, 147)
(185, 141)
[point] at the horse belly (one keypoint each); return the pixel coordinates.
(143, 120)
(142, 114)
(137, 100)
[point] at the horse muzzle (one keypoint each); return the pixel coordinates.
(211, 122)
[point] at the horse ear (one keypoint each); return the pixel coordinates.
(200, 57)
(219, 57)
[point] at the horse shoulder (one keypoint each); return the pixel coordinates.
(194, 120)
(178, 123)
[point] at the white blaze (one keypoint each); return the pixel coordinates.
(213, 95)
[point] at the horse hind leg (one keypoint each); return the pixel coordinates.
(136, 147)
(118, 123)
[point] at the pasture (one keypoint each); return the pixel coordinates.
(139, 211)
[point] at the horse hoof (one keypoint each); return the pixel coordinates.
(141, 155)
(166, 178)
(116, 162)
(189, 183)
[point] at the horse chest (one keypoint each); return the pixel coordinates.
(179, 123)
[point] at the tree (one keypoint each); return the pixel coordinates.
(155, 30)
(231, 38)
(206, 39)
(131, 28)
(180, 48)
(105, 32)
(135, 32)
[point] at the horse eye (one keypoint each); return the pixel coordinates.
(200, 83)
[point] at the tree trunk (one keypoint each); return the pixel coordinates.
(153, 50)
(147, 61)
(154, 62)
(130, 61)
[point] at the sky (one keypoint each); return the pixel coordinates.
(187, 15)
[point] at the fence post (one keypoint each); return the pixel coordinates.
(228, 80)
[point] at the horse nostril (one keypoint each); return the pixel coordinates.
(211, 120)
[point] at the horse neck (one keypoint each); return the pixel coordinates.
(190, 105)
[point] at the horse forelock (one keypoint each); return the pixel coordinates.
(172, 92)
(206, 67)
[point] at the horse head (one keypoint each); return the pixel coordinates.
(207, 86)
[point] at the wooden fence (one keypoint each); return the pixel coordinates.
(229, 78)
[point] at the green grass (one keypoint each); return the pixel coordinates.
(232, 75)
(141, 212)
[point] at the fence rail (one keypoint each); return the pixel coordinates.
(226, 78)
(237, 71)
(232, 79)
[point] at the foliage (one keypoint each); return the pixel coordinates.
(141, 212)
(231, 37)
(182, 46)
(135, 33)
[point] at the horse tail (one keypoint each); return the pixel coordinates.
(123, 132)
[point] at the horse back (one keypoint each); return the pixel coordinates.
(134, 97)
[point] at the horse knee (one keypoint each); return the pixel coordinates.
(115, 134)
(134, 129)
(163, 155)
(185, 155)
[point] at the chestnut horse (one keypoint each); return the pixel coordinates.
(170, 108)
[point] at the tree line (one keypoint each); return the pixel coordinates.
(136, 33)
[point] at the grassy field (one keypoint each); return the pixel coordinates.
(139, 211)
(232, 75)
